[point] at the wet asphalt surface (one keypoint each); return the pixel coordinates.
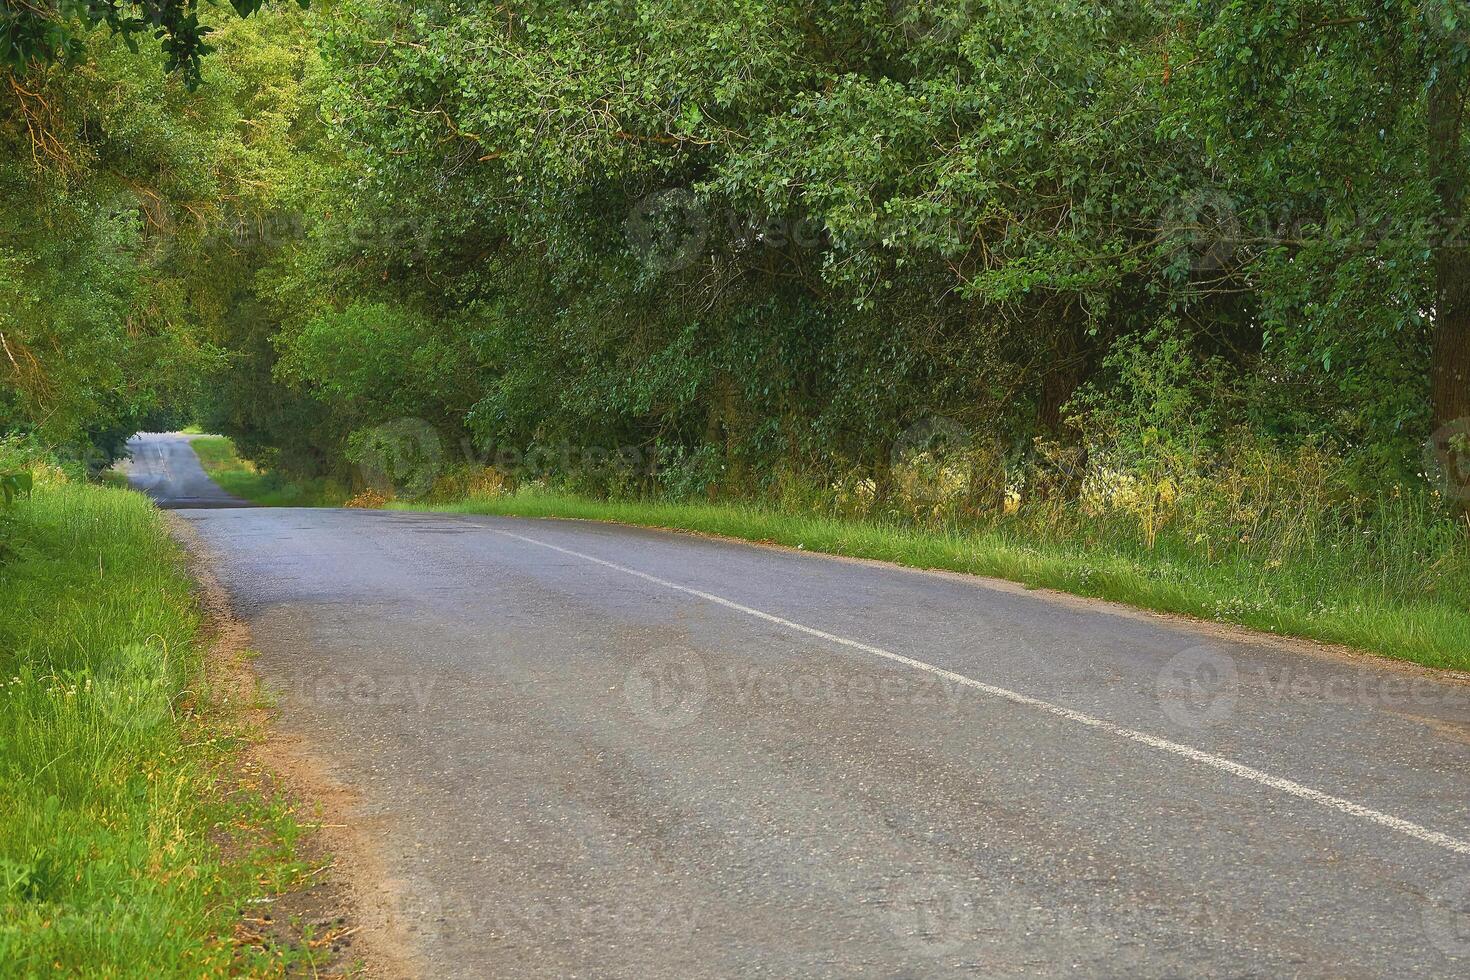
(576, 767)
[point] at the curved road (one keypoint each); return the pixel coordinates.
(592, 750)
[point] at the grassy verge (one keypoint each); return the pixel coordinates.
(243, 479)
(1338, 601)
(128, 840)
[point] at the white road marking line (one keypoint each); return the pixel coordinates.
(1216, 762)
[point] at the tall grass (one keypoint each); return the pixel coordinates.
(114, 826)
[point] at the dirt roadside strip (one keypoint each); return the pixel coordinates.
(353, 897)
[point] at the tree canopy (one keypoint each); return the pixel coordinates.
(766, 237)
(38, 32)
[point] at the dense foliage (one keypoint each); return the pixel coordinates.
(738, 248)
(37, 32)
(114, 275)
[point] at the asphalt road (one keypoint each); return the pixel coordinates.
(163, 465)
(593, 750)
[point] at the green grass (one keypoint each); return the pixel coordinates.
(128, 842)
(1335, 599)
(243, 479)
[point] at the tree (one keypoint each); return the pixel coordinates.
(1449, 170)
(37, 32)
(122, 191)
(1346, 119)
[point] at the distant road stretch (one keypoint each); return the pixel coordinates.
(163, 465)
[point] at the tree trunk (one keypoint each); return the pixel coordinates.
(882, 471)
(1449, 366)
(1071, 362)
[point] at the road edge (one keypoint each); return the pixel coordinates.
(370, 899)
(1209, 629)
